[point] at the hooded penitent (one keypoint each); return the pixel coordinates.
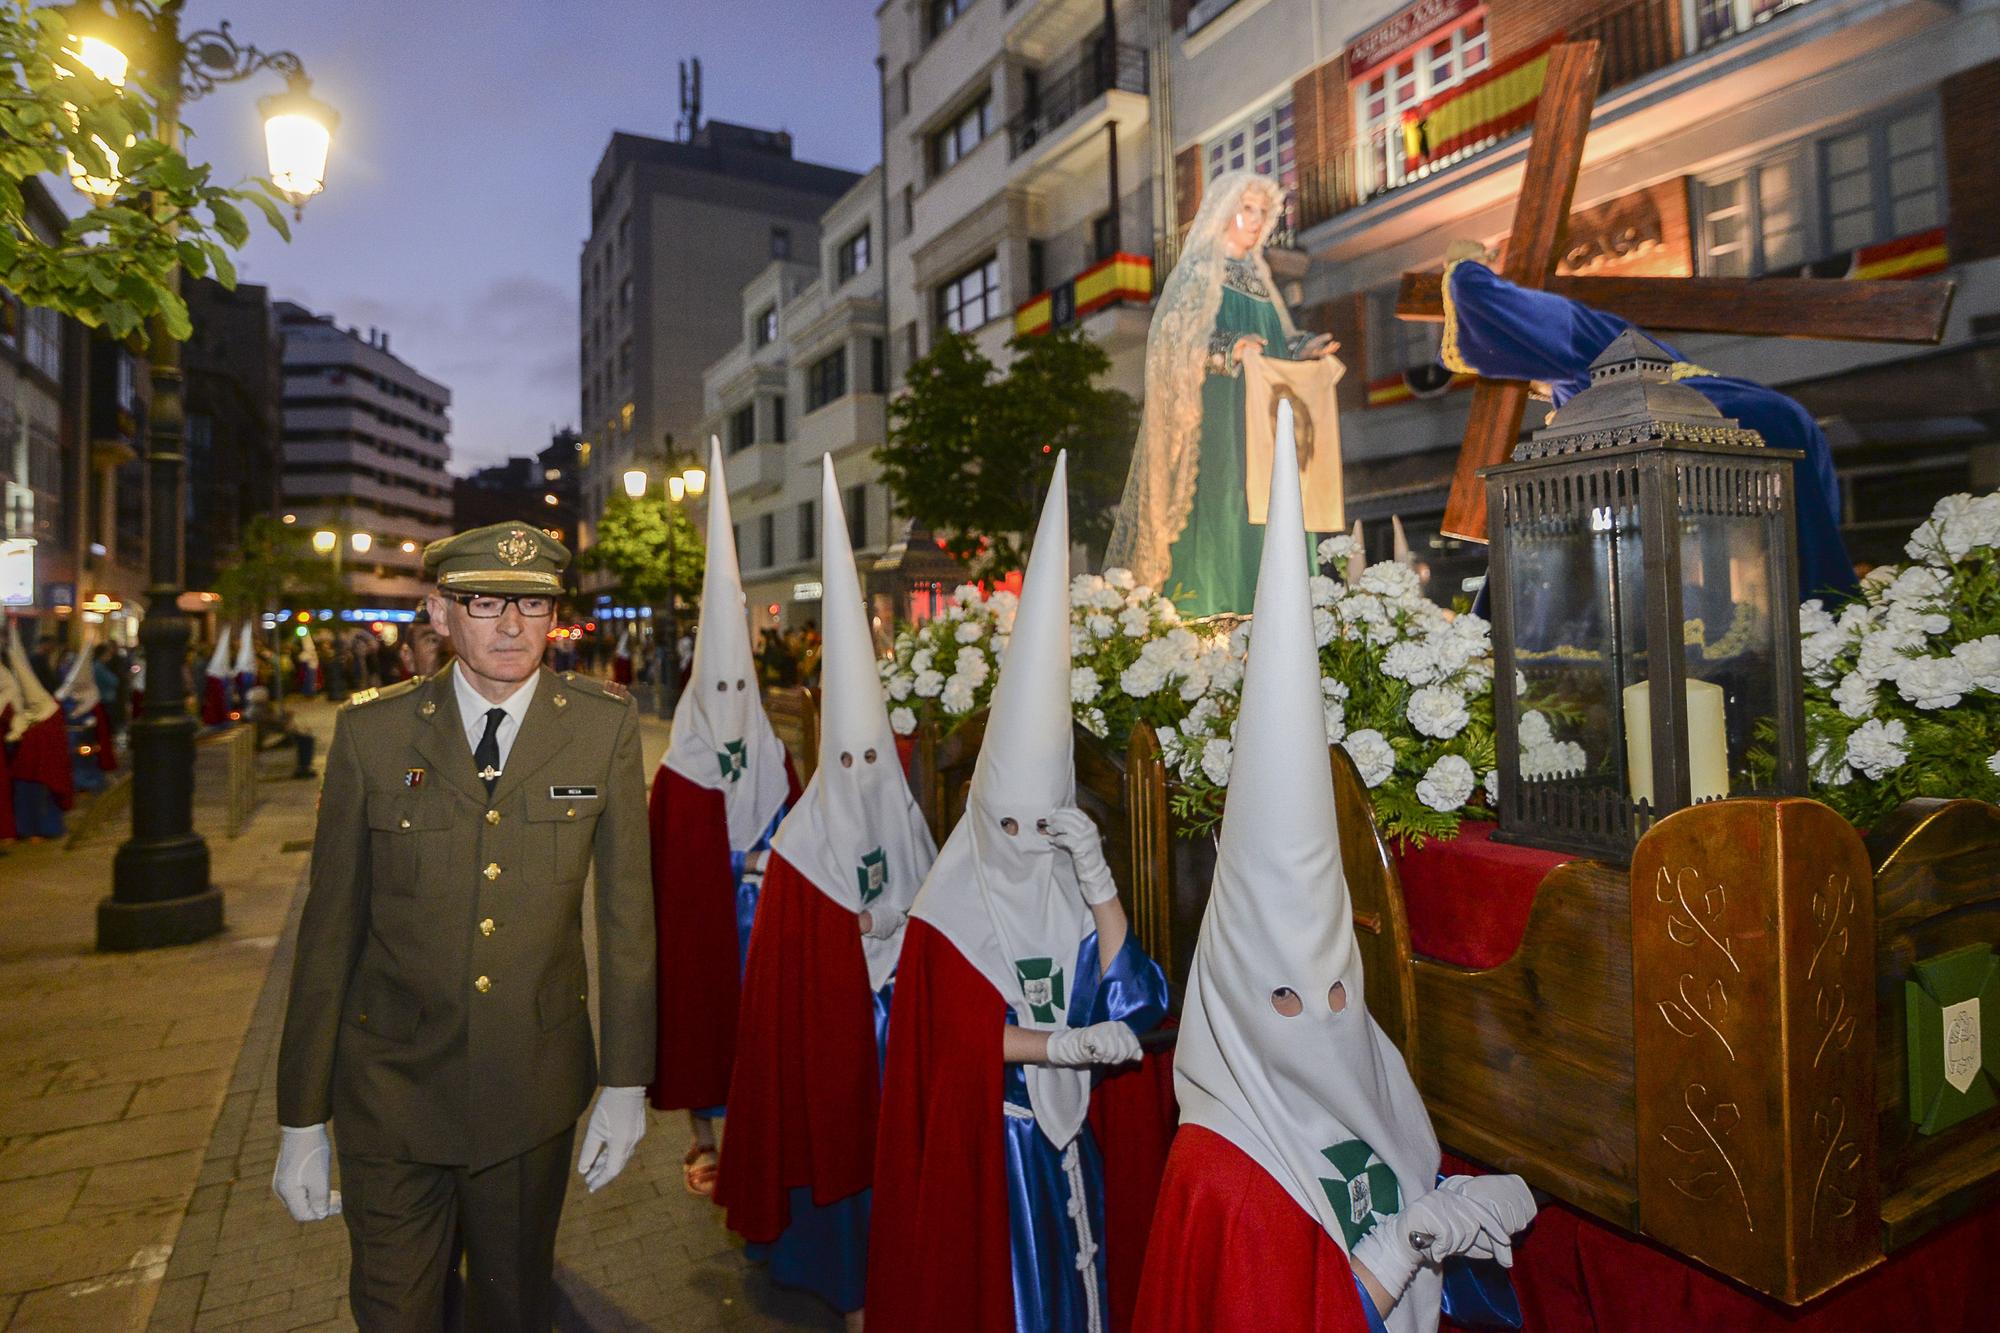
(215, 683)
(1000, 891)
(722, 739)
(32, 702)
(856, 832)
(78, 693)
(246, 661)
(1277, 1051)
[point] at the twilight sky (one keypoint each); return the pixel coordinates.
(457, 192)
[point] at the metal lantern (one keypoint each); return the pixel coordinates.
(1646, 623)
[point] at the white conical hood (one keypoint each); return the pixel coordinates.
(1357, 559)
(624, 648)
(722, 739)
(1400, 543)
(308, 650)
(856, 832)
(13, 704)
(1317, 1098)
(1009, 900)
(79, 693)
(246, 650)
(36, 703)
(218, 661)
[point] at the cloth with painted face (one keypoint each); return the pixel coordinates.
(1278, 1055)
(722, 739)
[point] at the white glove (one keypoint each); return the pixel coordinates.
(616, 1126)
(303, 1177)
(1448, 1221)
(1511, 1206)
(1072, 830)
(1112, 1043)
(883, 922)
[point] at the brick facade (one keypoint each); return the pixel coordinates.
(1971, 108)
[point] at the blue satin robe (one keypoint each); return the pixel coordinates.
(1046, 1240)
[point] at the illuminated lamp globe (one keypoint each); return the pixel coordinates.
(676, 488)
(361, 541)
(697, 481)
(324, 541)
(298, 131)
(635, 482)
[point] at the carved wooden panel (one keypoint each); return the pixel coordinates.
(1753, 946)
(1375, 891)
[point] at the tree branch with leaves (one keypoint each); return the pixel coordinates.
(633, 545)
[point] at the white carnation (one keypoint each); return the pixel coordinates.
(1814, 618)
(1135, 622)
(1958, 525)
(1083, 686)
(965, 594)
(957, 696)
(1818, 649)
(1391, 580)
(1336, 550)
(1094, 723)
(1372, 754)
(1438, 712)
(1332, 688)
(972, 664)
(1919, 586)
(1143, 678)
(969, 632)
(1120, 579)
(1083, 589)
(1335, 715)
(1447, 785)
(929, 684)
(899, 685)
(1324, 626)
(922, 661)
(1885, 652)
(1099, 625)
(1981, 659)
(1877, 747)
(1993, 762)
(1855, 695)
(1933, 682)
(1535, 729)
(1216, 757)
(1325, 591)
(1414, 660)
(902, 720)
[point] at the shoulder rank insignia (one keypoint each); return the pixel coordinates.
(560, 701)
(615, 690)
(359, 697)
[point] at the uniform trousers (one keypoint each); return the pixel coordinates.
(408, 1223)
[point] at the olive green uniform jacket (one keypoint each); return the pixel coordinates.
(440, 1004)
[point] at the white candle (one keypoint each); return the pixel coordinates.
(1708, 741)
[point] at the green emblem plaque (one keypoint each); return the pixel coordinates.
(873, 874)
(1953, 1073)
(734, 758)
(1042, 986)
(1363, 1190)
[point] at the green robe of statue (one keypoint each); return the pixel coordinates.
(1216, 556)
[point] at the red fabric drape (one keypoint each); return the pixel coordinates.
(1133, 1114)
(7, 829)
(694, 909)
(105, 747)
(214, 701)
(43, 756)
(1468, 897)
(937, 1250)
(621, 670)
(1232, 1251)
(804, 1093)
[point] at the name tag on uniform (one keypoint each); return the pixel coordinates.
(572, 793)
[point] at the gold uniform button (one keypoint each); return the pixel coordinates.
(486, 926)
(493, 870)
(570, 813)
(405, 823)
(482, 985)
(492, 816)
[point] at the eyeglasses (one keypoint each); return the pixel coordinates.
(491, 606)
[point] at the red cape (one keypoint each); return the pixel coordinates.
(214, 701)
(105, 746)
(621, 670)
(803, 1097)
(694, 915)
(1231, 1250)
(7, 829)
(43, 756)
(938, 1241)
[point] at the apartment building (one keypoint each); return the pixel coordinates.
(1731, 137)
(808, 375)
(1020, 158)
(365, 439)
(677, 227)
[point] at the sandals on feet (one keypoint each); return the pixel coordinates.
(699, 1169)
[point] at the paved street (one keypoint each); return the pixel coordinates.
(138, 1125)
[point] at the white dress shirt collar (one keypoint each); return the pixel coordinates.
(473, 706)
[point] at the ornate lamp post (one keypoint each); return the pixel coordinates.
(160, 892)
(689, 482)
(1645, 624)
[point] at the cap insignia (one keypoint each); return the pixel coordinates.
(517, 547)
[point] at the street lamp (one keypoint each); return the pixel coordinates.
(635, 483)
(676, 488)
(360, 541)
(324, 541)
(160, 890)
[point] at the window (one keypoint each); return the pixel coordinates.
(808, 529)
(781, 242)
(972, 298)
(1881, 181)
(778, 419)
(41, 343)
(128, 381)
(878, 365)
(904, 79)
(909, 209)
(941, 14)
(1038, 266)
(857, 516)
(1103, 237)
(767, 540)
(1262, 143)
(1441, 60)
(956, 141)
(764, 329)
(826, 379)
(625, 357)
(853, 258)
(742, 428)
(1753, 222)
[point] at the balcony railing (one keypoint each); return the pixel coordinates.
(1101, 69)
(1463, 121)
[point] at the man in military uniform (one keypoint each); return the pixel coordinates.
(439, 1011)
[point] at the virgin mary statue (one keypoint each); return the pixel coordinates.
(1184, 524)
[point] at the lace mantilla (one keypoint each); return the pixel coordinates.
(1244, 277)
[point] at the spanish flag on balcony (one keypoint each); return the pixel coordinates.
(1915, 256)
(1490, 105)
(1122, 277)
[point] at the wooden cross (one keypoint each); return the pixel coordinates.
(1902, 311)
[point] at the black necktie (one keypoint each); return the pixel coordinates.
(487, 755)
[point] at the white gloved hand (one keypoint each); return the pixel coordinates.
(303, 1177)
(1510, 1205)
(616, 1126)
(1112, 1043)
(881, 923)
(1072, 830)
(1448, 1221)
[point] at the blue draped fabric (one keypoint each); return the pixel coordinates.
(36, 814)
(748, 889)
(1510, 332)
(83, 767)
(824, 1249)
(1046, 1199)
